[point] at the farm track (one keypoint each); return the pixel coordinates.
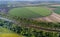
(52, 8)
(47, 19)
(46, 29)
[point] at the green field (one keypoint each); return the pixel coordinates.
(30, 12)
(57, 10)
(4, 30)
(8, 33)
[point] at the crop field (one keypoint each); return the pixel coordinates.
(53, 7)
(8, 33)
(4, 30)
(54, 17)
(36, 13)
(57, 10)
(30, 12)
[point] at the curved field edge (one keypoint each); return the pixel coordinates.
(30, 12)
(4, 32)
(10, 35)
(43, 11)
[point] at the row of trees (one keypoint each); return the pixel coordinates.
(28, 32)
(40, 23)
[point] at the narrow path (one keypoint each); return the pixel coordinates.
(5, 19)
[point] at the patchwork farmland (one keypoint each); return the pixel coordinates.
(20, 19)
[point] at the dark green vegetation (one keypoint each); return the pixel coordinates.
(27, 22)
(5, 29)
(54, 6)
(41, 23)
(30, 12)
(28, 32)
(57, 10)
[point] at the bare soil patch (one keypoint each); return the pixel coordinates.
(52, 18)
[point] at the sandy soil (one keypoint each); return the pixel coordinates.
(52, 8)
(55, 5)
(52, 18)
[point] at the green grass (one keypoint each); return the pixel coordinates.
(54, 6)
(57, 10)
(4, 30)
(30, 12)
(8, 33)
